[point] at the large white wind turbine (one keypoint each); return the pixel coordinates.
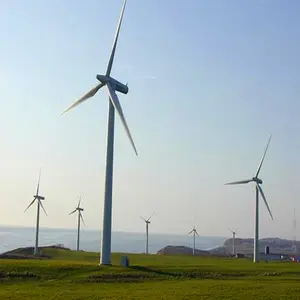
(194, 231)
(112, 86)
(258, 190)
(37, 198)
(147, 221)
(233, 241)
(80, 218)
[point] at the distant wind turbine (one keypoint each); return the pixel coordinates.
(112, 86)
(194, 231)
(37, 198)
(259, 190)
(233, 241)
(147, 221)
(80, 218)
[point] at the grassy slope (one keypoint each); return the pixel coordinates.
(72, 275)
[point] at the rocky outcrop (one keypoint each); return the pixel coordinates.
(242, 246)
(276, 245)
(181, 250)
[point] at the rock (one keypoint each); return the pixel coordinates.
(182, 250)
(244, 247)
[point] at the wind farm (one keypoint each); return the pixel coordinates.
(208, 89)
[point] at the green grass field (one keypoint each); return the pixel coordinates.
(72, 275)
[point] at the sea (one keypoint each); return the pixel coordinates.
(90, 240)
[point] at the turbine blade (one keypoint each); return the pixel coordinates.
(190, 232)
(112, 55)
(240, 182)
(230, 230)
(88, 95)
(30, 204)
(81, 217)
(38, 185)
(196, 232)
(43, 208)
(265, 200)
(79, 200)
(262, 160)
(116, 103)
(143, 219)
(71, 213)
(150, 216)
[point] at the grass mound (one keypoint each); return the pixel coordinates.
(27, 253)
(77, 275)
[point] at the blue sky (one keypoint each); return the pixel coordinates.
(209, 81)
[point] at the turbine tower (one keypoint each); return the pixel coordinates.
(147, 221)
(233, 241)
(112, 86)
(194, 231)
(80, 218)
(258, 190)
(37, 198)
(295, 250)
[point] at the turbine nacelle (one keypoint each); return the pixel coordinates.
(116, 85)
(194, 230)
(39, 197)
(257, 180)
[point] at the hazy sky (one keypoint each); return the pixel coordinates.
(209, 81)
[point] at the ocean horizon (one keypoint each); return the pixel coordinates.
(13, 237)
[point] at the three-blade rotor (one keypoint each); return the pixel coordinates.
(257, 181)
(37, 197)
(194, 230)
(147, 220)
(233, 232)
(111, 85)
(79, 209)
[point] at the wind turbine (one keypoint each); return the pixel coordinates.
(194, 231)
(37, 198)
(258, 190)
(233, 241)
(112, 86)
(147, 221)
(80, 218)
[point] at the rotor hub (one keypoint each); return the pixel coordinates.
(257, 180)
(103, 78)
